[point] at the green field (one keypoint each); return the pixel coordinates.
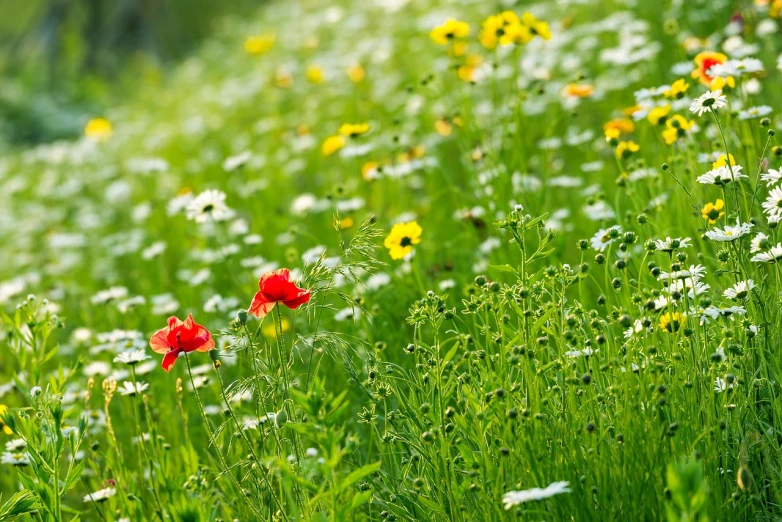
(445, 260)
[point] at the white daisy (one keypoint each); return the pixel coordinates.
(755, 112)
(722, 175)
(131, 358)
(758, 243)
(605, 237)
(586, 352)
(772, 176)
(599, 211)
(720, 385)
(694, 272)
(129, 389)
(238, 161)
(636, 328)
(736, 67)
(179, 203)
(708, 101)
(15, 459)
(514, 498)
(730, 233)
(670, 244)
(740, 290)
(209, 204)
(772, 256)
(100, 496)
(15, 445)
(773, 204)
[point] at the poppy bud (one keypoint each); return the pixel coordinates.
(744, 478)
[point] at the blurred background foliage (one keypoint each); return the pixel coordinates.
(62, 61)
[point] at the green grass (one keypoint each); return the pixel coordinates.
(505, 353)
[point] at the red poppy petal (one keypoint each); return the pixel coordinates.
(278, 288)
(208, 345)
(298, 301)
(169, 359)
(173, 322)
(159, 342)
(258, 305)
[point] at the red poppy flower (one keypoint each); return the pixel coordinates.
(180, 337)
(277, 287)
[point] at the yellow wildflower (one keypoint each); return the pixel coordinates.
(314, 74)
(713, 211)
(352, 130)
(3, 428)
(98, 129)
(677, 90)
(722, 161)
(259, 44)
(676, 127)
(401, 239)
(658, 115)
(625, 149)
(536, 27)
(671, 322)
(449, 31)
(621, 125)
(332, 144)
(356, 73)
(579, 90)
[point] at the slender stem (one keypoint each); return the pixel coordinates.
(213, 441)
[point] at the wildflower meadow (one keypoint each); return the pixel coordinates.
(412, 260)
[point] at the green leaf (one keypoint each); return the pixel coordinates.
(504, 268)
(358, 474)
(21, 503)
(74, 475)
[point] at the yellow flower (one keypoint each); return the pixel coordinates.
(625, 149)
(466, 72)
(713, 211)
(722, 161)
(658, 115)
(459, 49)
(536, 27)
(5, 429)
(720, 83)
(332, 144)
(579, 90)
(619, 126)
(677, 90)
(676, 127)
(98, 129)
(491, 30)
(259, 44)
(346, 223)
(352, 130)
(401, 239)
(371, 170)
(449, 31)
(443, 127)
(269, 328)
(416, 151)
(314, 74)
(612, 134)
(671, 322)
(356, 73)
